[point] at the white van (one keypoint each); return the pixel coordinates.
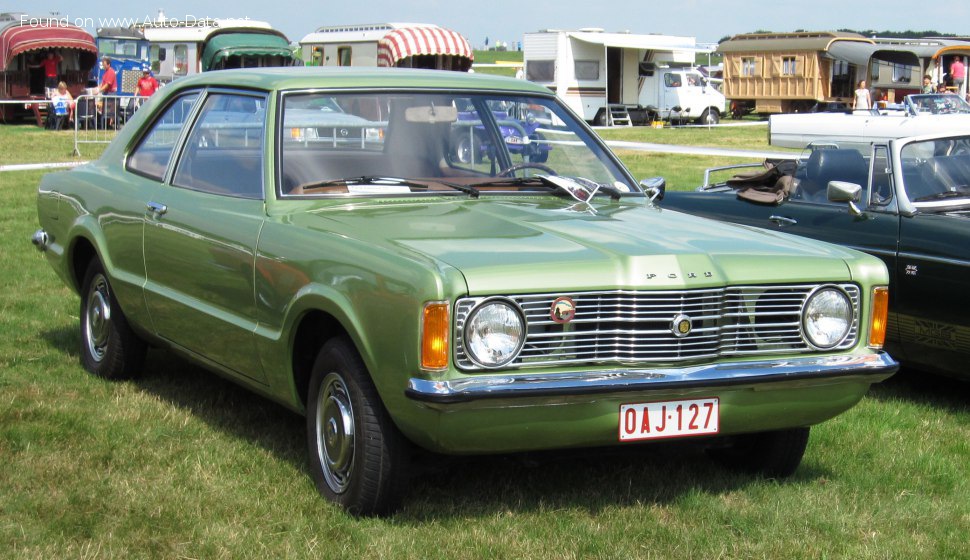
(622, 78)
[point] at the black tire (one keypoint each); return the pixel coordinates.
(709, 116)
(600, 118)
(109, 348)
(771, 454)
(358, 458)
(538, 154)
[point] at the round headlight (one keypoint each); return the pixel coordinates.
(827, 317)
(494, 333)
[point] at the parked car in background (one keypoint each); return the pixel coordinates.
(523, 137)
(917, 114)
(399, 296)
(906, 201)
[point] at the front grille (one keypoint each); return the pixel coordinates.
(635, 326)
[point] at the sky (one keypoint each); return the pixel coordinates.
(502, 20)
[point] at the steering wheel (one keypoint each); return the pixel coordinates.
(526, 165)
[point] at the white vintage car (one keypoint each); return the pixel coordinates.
(918, 114)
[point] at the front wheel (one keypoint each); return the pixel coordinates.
(709, 116)
(358, 458)
(109, 348)
(774, 454)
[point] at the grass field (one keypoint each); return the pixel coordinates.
(181, 464)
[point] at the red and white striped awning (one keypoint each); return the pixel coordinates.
(409, 41)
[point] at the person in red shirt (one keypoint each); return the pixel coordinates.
(49, 64)
(147, 84)
(108, 86)
(109, 80)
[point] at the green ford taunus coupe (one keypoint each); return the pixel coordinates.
(448, 261)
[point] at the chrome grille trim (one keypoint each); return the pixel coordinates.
(634, 326)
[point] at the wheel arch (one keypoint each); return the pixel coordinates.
(80, 254)
(312, 330)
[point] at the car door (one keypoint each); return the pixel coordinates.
(145, 170)
(934, 256)
(201, 236)
(932, 296)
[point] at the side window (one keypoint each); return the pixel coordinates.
(343, 56)
(181, 60)
(882, 177)
(540, 70)
(587, 69)
(672, 80)
(153, 153)
(224, 151)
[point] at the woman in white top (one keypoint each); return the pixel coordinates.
(862, 99)
(61, 108)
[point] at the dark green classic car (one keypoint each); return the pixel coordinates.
(904, 200)
(319, 237)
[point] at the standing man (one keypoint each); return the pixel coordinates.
(147, 84)
(108, 86)
(109, 80)
(51, 76)
(958, 72)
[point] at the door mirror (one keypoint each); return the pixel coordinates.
(850, 193)
(655, 188)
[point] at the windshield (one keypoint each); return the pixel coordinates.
(937, 104)
(936, 173)
(421, 142)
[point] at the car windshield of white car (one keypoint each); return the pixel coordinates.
(437, 143)
(936, 173)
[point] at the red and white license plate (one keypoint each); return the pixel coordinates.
(665, 419)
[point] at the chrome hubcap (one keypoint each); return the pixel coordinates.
(97, 319)
(334, 426)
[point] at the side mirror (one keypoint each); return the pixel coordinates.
(842, 191)
(655, 188)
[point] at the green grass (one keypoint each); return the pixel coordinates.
(182, 464)
(494, 57)
(28, 143)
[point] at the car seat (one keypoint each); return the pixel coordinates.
(831, 165)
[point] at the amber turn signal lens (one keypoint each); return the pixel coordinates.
(880, 314)
(434, 336)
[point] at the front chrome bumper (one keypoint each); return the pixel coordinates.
(41, 240)
(526, 385)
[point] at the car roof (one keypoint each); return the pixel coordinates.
(286, 78)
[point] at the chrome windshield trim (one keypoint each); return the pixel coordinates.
(525, 385)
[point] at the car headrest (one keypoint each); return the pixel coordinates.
(837, 165)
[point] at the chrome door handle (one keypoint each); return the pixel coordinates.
(783, 221)
(157, 209)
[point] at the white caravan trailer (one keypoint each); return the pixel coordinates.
(403, 45)
(622, 78)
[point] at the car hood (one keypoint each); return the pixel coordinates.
(550, 244)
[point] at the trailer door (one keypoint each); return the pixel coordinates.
(614, 75)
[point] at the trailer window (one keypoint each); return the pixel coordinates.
(540, 70)
(587, 70)
(902, 73)
(181, 60)
(343, 56)
(749, 66)
(789, 66)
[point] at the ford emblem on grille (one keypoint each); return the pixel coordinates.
(563, 310)
(680, 326)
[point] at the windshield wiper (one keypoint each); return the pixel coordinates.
(962, 193)
(578, 188)
(389, 181)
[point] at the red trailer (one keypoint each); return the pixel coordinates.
(25, 42)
